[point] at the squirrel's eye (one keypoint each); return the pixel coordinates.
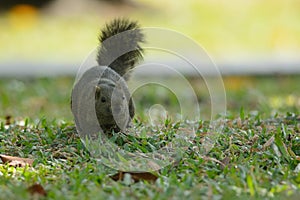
(123, 97)
(103, 100)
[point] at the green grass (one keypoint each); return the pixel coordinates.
(243, 163)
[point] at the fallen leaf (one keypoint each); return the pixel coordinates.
(136, 176)
(16, 161)
(37, 189)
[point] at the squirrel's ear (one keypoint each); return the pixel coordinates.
(97, 91)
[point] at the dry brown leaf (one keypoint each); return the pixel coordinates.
(16, 161)
(136, 176)
(37, 189)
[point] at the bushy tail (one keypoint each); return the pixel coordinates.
(120, 45)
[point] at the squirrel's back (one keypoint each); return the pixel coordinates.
(120, 47)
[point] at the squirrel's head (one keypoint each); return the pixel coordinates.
(111, 104)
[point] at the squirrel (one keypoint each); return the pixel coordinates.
(101, 96)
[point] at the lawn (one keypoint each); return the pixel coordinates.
(254, 156)
(255, 153)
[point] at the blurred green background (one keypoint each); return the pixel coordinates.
(67, 30)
